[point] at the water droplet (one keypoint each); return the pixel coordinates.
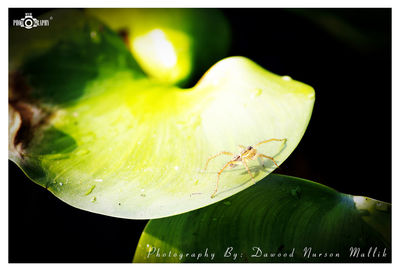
(90, 190)
(142, 190)
(286, 78)
(256, 92)
(57, 156)
(94, 36)
(60, 184)
(98, 180)
(82, 152)
(296, 192)
(227, 203)
(176, 168)
(193, 194)
(93, 199)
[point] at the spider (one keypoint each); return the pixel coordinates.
(248, 153)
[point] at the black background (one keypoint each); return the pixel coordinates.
(345, 54)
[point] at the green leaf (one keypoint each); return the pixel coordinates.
(82, 49)
(102, 137)
(273, 221)
(171, 45)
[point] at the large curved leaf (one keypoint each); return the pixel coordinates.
(101, 137)
(280, 219)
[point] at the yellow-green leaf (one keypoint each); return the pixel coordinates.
(91, 128)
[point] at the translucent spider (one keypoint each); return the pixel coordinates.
(246, 154)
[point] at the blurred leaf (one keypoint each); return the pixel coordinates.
(273, 221)
(59, 61)
(171, 45)
(102, 137)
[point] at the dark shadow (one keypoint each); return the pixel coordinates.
(53, 141)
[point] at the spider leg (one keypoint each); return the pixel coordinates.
(269, 140)
(214, 156)
(248, 170)
(219, 173)
(268, 157)
(242, 147)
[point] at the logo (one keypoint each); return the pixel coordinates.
(29, 22)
